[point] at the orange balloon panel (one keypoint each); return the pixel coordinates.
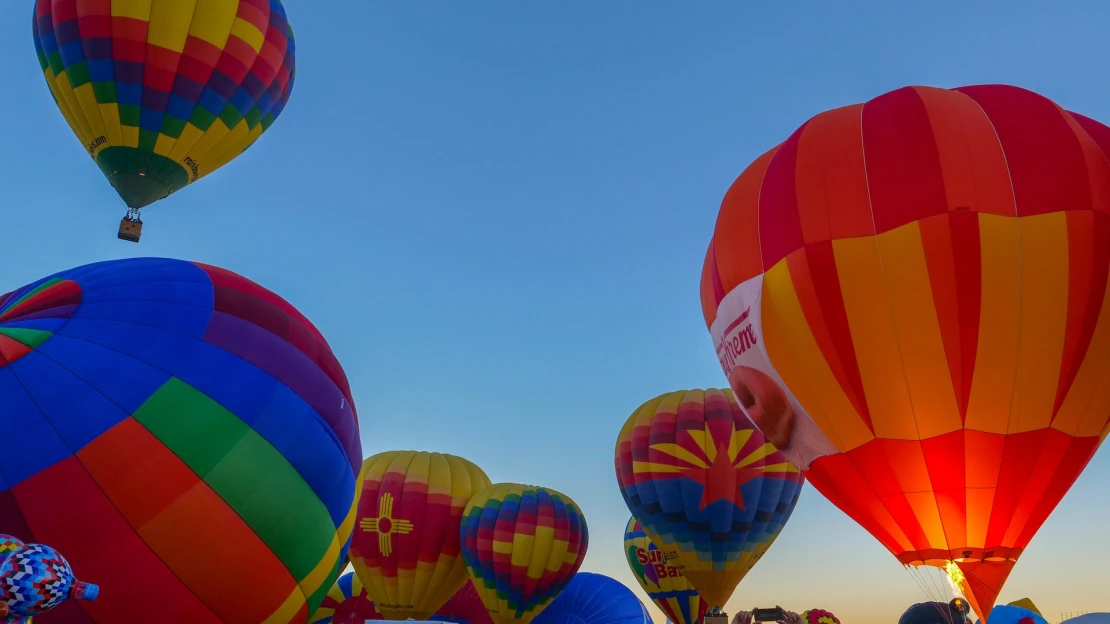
(926, 274)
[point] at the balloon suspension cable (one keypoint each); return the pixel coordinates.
(933, 590)
(133, 215)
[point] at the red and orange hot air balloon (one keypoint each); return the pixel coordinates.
(909, 297)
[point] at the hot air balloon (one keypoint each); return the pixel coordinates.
(406, 546)
(35, 578)
(910, 293)
(522, 545)
(8, 545)
(594, 599)
(163, 92)
(187, 439)
(346, 603)
(1026, 603)
(935, 613)
(819, 616)
(465, 607)
(656, 572)
(705, 484)
(1010, 614)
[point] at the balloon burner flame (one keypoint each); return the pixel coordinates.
(956, 578)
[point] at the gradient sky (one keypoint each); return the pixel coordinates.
(497, 212)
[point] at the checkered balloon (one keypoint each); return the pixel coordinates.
(35, 578)
(7, 545)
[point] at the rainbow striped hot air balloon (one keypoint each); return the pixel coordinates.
(185, 437)
(522, 545)
(658, 575)
(705, 483)
(406, 545)
(161, 93)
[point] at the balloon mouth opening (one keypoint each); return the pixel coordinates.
(85, 591)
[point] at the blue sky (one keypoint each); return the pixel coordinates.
(497, 212)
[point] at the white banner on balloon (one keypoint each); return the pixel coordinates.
(738, 336)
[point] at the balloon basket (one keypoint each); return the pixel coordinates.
(719, 617)
(130, 227)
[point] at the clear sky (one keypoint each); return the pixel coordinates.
(497, 212)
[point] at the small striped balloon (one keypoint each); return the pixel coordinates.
(522, 545)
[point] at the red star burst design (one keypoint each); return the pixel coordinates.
(721, 479)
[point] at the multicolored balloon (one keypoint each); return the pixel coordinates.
(35, 578)
(594, 599)
(1010, 614)
(406, 546)
(522, 545)
(465, 607)
(8, 545)
(664, 584)
(189, 441)
(705, 484)
(346, 603)
(161, 93)
(910, 291)
(819, 616)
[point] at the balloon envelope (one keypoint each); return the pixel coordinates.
(594, 599)
(406, 546)
(912, 294)
(346, 603)
(1009, 614)
(35, 578)
(522, 545)
(932, 613)
(189, 441)
(819, 616)
(8, 544)
(465, 607)
(161, 93)
(705, 484)
(655, 570)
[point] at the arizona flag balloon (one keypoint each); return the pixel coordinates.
(660, 579)
(705, 484)
(186, 438)
(163, 92)
(406, 545)
(910, 295)
(522, 545)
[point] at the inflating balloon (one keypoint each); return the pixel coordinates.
(161, 93)
(594, 599)
(522, 545)
(465, 607)
(189, 441)
(934, 613)
(35, 578)
(346, 603)
(655, 570)
(1026, 603)
(818, 616)
(908, 295)
(8, 545)
(1009, 614)
(705, 484)
(406, 546)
